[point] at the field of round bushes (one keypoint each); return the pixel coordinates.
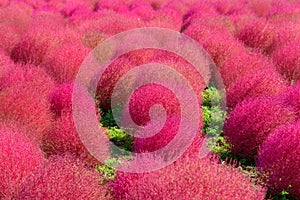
(255, 45)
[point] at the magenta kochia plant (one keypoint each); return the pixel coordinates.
(287, 60)
(63, 177)
(251, 122)
(19, 157)
(279, 160)
(64, 63)
(188, 178)
(259, 82)
(292, 97)
(256, 33)
(24, 104)
(63, 136)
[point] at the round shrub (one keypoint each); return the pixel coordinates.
(36, 77)
(258, 82)
(19, 157)
(279, 160)
(63, 178)
(61, 98)
(239, 64)
(292, 97)
(24, 104)
(186, 179)
(38, 41)
(63, 138)
(256, 33)
(287, 60)
(251, 122)
(64, 63)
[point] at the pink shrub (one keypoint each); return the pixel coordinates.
(218, 44)
(39, 41)
(61, 98)
(63, 178)
(19, 158)
(16, 14)
(279, 160)
(64, 63)
(34, 76)
(260, 7)
(287, 60)
(252, 121)
(258, 82)
(117, 6)
(6, 64)
(186, 179)
(292, 97)
(231, 7)
(286, 33)
(63, 138)
(142, 9)
(240, 63)
(9, 37)
(256, 33)
(23, 104)
(128, 61)
(110, 23)
(166, 18)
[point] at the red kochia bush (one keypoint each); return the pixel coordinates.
(64, 63)
(63, 136)
(252, 120)
(36, 77)
(38, 41)
(256, 33)
(259, 82)
(287, 60)
(186, 179)
(63, 178)
(292, 97)
(279, 159)
(240, 63)
(19, 158)
(24, 104)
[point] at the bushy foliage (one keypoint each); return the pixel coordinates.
(36, 77)
(256, 33)
(64, 63)
(63, 177)
(19, 157)
(23, 104)
(186, 179)
(279, 160)
(287, 60)
(239, 64)
(252, 121)
(291, 97)
(259, 82)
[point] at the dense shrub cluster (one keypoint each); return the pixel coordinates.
(186, 179)
(252, 121)
(254, 44)
(279, 159)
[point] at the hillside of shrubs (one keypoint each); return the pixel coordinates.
(255, 45)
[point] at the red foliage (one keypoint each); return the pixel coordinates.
(63, 138)
(239, 64)
(39, 41)
(63, 178)
(19, 158)
(287, 60)
(34, 76)
(23, 104)
(186, 179)
(251, 122)
(64, 63)
(256, 33)
(292, 97)
(61, 98)
(258, 82)
(279, 159)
